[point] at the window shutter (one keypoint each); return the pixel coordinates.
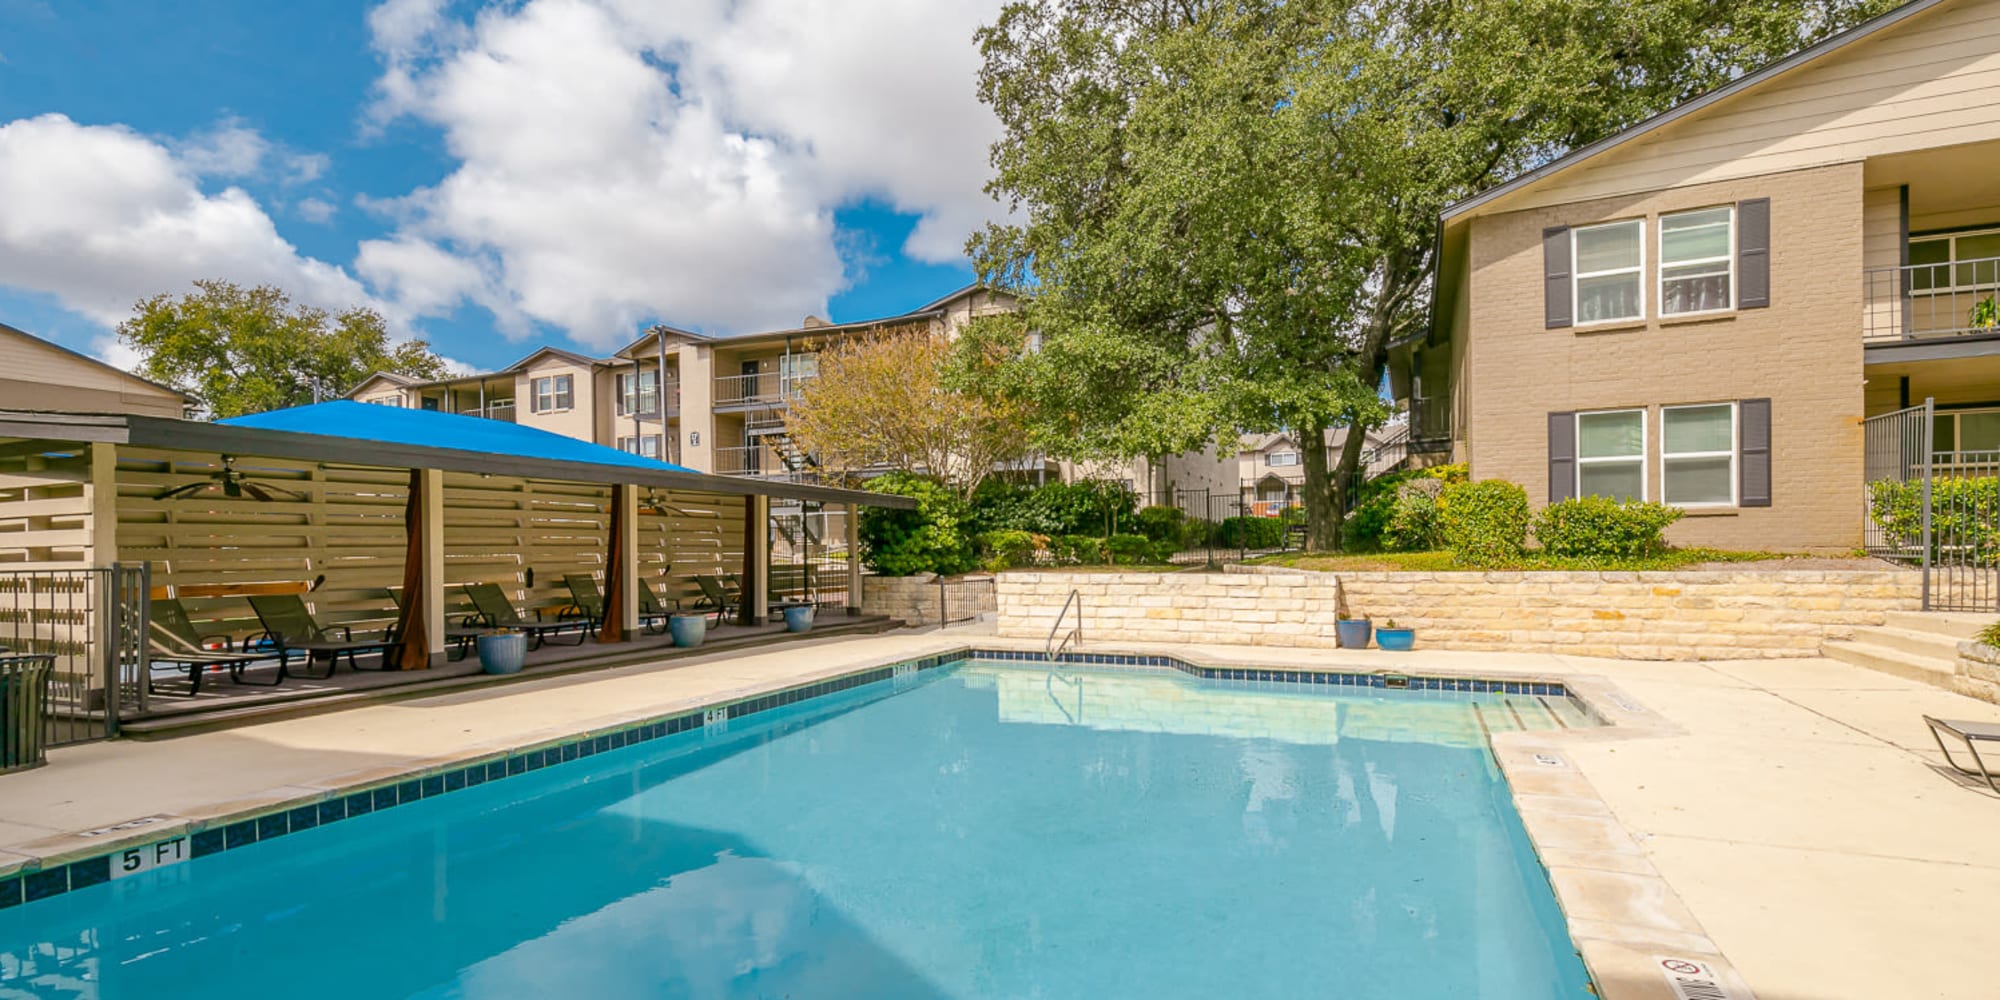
(1753, 253)
(1754, 462)
(1556, 295)
(1562, 456)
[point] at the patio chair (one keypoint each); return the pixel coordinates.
(460, 636)
(172, 639)
(716, 595)
(496, 611)
(1970, 734)
(587, 601)
(653, 611)
(288, 626)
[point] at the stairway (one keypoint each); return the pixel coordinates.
(1915, 645)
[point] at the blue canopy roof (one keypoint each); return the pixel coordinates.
(346, 418)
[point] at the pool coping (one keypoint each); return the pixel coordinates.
(1619, 910)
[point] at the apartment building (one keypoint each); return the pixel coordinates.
(38, 375)
(713, 404)
(1704, 309)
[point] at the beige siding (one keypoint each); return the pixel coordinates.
(1932, 81)
(35, 375)
(1802, 352)
(578, 421)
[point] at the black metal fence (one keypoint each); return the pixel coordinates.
(93, 622)
(809, 556)
(1933, 502)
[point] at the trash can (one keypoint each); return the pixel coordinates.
(24, 691)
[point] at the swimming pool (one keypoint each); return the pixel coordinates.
(975, 830)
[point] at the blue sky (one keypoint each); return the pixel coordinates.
(491, 175)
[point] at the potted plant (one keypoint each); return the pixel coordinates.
(1391, 637)
(1353, 632)
(688, 628)
(502, 651)
(798, 617)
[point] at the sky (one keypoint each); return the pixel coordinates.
(491, 176)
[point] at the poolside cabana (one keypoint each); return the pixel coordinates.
(376, 516)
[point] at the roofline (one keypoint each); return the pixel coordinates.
(551, 349)
(814, 331)
(99, 362)
(656, 330)
(195, 435)
(1686, 108)
(977, 286)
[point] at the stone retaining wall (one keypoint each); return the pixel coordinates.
(1978, 671)
(1650, 616)
(913, 600)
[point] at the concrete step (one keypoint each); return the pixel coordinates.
(1921, 642)
(1956, 624)
(1909, 666)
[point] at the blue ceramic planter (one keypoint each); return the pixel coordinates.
(1398, 639)
(502, 652)
(798, 617)
(1353, 632)
(687, 630)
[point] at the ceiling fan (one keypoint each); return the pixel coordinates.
(232, 484)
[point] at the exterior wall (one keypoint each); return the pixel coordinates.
(913, 600)
(580, 420)
(1803, 352)
(1919, 85)
(35, 375)
(1978, 671)
(1652, 616)
(697, 368)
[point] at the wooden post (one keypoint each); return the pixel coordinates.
(626, 551)
(756, 558)
(432, 543)
(854, 559)
(103, 494)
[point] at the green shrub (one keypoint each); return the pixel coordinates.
(999, 505)
(1990, 635)
(1131, 550)
(1250, 532)
(1375, 502)
(1484, 522)
(1415, 524)
(1161, 524)
(1000, 550)
(1081, 508)
(1599, 527)
(930, 539)
(1078, 550)
(1965, 516)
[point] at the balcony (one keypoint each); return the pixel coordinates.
(762, 389)
(1919, 302)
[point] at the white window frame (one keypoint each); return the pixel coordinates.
(632, 393)
(636, 445)
(1292, 458)
(1645, 446)
(1729, 259)
(559, 387)
(1951, 261)
(1576, 276)
(1734, 454)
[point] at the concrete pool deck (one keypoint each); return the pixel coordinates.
(1784, 818)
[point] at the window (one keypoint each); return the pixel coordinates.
(1698, 455)
(644, 444)
(1957, 435)
(1278, 458)
(1608, 261)
(396, 401)
(1697, 261)
(1611, 454)
(639, 394)
(553, 392)
(1958, 260)
(794, 369)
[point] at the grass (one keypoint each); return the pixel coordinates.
(1436, 562)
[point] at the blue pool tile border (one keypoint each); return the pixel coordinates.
(33, 885)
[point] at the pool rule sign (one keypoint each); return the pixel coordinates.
(1692, 980)
(147, 857)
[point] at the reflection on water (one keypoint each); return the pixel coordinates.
(990, 832)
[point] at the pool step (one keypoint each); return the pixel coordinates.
(1955, 624)
(1890, 654)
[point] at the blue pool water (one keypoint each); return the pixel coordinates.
(972, 831)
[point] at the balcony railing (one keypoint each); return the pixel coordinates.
(1928, 301)
(765, 388)
(754, 460)
(1430, 424)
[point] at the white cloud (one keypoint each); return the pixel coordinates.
(623, 160)
(316, 209)
(101, 217)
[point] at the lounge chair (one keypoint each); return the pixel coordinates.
(586, 600)
(461, 636)
(496, 611)
(173, 639)
(1970, 734)
(289, 626)
(653, 612)
(716, 595)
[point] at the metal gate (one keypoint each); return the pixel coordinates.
(809, 556)
(1933, 502)
(93, 621)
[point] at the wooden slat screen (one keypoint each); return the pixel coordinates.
(45, 511)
